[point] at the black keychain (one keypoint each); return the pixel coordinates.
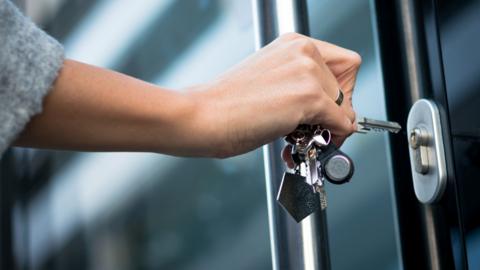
(297, 197)
(337, 167)
(301, 195)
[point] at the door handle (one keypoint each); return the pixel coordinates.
(427, 153)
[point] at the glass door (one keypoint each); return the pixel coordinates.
(429, 51)
(361, 214)
(357, 230)
(459, 38)
(71, 210)
(412, 50)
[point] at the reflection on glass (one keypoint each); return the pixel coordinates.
(360, 213)
(459, 36)
(141, 210)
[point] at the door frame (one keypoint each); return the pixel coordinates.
(430, 236)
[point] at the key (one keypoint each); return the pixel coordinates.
(322, 138)
(301, 142)
(320, 189)
(297, 194)
(302, 195)
(311, 167)
(366, 125)
(301, 133)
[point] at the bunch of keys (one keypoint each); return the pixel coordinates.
(317, 159)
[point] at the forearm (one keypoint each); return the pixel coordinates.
(94, 109)
(285, 84)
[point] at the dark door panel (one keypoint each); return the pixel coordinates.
(459, 30)
(431, 235)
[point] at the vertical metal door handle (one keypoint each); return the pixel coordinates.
(294, 246)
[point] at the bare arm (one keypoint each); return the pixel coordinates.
(287, 83)
(95, 109)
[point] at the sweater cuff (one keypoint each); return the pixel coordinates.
(29, 63)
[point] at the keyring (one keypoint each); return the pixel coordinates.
(322, 138)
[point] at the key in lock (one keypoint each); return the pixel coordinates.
(419, 142)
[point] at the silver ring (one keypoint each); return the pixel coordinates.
(339, 99)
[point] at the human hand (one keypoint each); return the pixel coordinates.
(294, 80)
(345, 69)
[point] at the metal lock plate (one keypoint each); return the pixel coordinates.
(427, 154)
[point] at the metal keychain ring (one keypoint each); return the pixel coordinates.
(329, 135)
(326, 135)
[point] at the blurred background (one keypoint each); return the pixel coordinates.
(71, 210)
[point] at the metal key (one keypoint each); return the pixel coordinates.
(322, 139)
(301, 194)
(315, 176)
(311, 167)
(366, 125)
(320, 189)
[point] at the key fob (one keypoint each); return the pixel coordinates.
(297, 197)
(337, 167)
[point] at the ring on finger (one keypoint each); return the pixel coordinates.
(339, 98)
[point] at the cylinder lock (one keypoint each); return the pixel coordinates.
(427, 154)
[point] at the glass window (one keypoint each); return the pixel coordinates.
(459, 27)
(361, 221)
(143, 210)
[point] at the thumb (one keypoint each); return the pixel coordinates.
(335, 119)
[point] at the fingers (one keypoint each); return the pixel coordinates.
(344, 65)
(337, 58)
(333, 68)
(329, 82)
(339, 119)
(338, 140)
(347, 107)
(340, 74)
(332, 117)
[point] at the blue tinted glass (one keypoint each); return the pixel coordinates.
(141, 210)
(360, 213)
(459, 24)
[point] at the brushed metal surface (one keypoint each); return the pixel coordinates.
(294, 245)
(430, 186)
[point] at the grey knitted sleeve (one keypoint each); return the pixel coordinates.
(29, 63)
